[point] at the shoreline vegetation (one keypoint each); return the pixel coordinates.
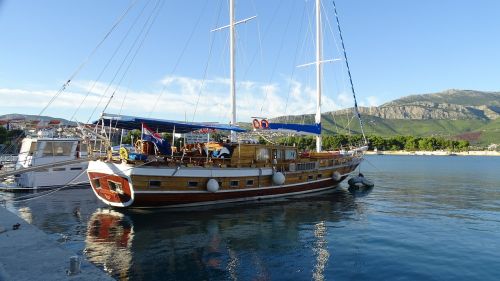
(435, 153)
(398, 145)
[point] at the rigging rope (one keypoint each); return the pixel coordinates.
(349, 73)
(141, 43)
(141, 32)
(266, 91)
(65, 85)
(294, 67)
(205, 72)
(110, 60)
(179, 58)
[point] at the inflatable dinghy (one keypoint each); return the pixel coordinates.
(360, 181)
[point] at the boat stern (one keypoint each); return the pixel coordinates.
(110, 184)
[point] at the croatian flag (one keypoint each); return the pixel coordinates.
(162, 145)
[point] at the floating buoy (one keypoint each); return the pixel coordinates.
(336, 176)
(278, 178)
(212, 185)
(360, 181)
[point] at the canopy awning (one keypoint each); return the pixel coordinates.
(133, 122)
(313, 129)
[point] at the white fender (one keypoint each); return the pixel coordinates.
(278, 178)
(336, 176)
(212, 185)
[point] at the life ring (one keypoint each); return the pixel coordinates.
(123, 153)
(256, 124)
(264, 124)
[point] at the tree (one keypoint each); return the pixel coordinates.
(3, 135)
(136, 134)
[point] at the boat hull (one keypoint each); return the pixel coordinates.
(170, 199)
(101, 174)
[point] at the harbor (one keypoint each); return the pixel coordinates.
(29, 254)
(229, 140)
(438, 220)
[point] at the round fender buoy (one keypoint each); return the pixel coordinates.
(278, 178)
(256, 124)
(264, 124)
(212, 185)
(336, 176)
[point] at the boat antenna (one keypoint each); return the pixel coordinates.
(349, 73)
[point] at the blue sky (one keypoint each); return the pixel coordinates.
(395, 48)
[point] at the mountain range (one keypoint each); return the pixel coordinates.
(457, 114)
(454, 114)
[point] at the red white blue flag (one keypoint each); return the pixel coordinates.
(149, 135)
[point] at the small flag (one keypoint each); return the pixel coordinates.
(162, 145)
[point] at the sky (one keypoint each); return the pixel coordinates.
(161, 60)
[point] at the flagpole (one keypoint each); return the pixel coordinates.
(142, 130)
(173, 142)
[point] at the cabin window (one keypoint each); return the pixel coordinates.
(192, 183)
(290, 154)
(115, 186)
(154, 184)
(234, 183)
(58, 148)
(263, 154)
(306, 166)
(220, 184)
(319, 176)
(249, 182)
(83, 147)
(277, 154)
(310, 177)
(96, 183)
(58, 169)
(75, 168)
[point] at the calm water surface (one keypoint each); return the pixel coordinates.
(428, 218)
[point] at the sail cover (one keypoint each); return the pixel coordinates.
(133, 122)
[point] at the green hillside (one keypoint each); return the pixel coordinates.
(476, 117)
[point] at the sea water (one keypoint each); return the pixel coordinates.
(427, 218)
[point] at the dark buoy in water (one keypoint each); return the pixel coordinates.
(359, 181)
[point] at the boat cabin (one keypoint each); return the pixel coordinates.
(38, 151)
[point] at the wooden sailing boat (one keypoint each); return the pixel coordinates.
(246, 171)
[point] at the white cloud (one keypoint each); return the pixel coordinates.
(372, 101)
(179, 98)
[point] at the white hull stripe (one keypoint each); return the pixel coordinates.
(128, 170)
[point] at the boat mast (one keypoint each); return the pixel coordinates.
(231, 69)
(318, 73)
(232, 24)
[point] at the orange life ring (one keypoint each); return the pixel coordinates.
(256, 123)
(264, 124)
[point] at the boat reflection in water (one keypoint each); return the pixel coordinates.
(109, 241)
(282, 239)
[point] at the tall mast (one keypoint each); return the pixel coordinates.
(318, 72)
(232, 24)
(231, 69)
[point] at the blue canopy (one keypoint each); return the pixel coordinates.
(132, 122)
(314, 129)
